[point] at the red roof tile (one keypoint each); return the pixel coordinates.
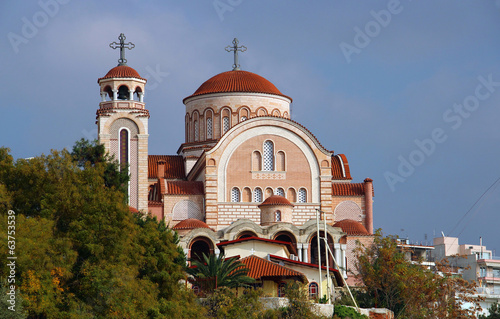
(190, 223)
(132, 209)
(237, 81)
(335, 271)
(174, 166)
(348, 189)
(276, 200)
(185, 188)
(352, 227)
(339, 161)
(259, 268)
(122, 71)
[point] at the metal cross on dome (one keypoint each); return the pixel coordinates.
(122, 45)
(236, 48)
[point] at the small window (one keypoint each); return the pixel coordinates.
(209, 128)
(225, 124)
(313, 290)
(243, 118)
(268, 156)
(277, 216)
(235, 194)
(280, 191)
(196, 131)
(281, 289)
(257, 195)
(302, 195)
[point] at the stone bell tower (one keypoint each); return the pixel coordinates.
(122, 120)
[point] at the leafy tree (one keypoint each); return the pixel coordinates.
(217, 271)
(494, 312)
(93, 154)
(408, 289)
(7, 309)
(81, 253)
(343, 312)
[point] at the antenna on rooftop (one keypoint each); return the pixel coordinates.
(442, 234)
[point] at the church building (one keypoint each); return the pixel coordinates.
(246, 170)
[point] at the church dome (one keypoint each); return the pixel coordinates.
(122, 71)
(276, 200)
(351, 227)
(237, 81)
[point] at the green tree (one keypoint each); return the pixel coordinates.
(81, 253)
(494, 312)
(408, 289)
(92, 153)
(218, 271)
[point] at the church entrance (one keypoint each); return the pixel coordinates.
(200, 246)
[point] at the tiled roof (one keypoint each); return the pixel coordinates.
(122, 71)
(348, 189)
(259, 268)
(335, 271)
(184, 188)
(237, 81)
(132, 209)
(276, 200)
(337, 172)
(174, 166)
(352, 227)
(190, 223)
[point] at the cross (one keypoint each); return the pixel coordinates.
(236, 48)
(252, 251)
(122, 45)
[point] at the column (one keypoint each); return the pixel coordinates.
(217, 252)
(305, 252)
(343, 248)
(103, 96)
(299, 251)
(115, 94)
(141, 97)
(131, 95)
(338, 257)
(186, 253)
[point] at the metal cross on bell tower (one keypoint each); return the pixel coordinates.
(122, 45)
(236, 48)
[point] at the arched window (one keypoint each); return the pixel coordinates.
(209, 128)
(123, 93)
(124, 149)
(277, 216)
(257, 195)
(292, 196)
(280, 191)
(313, 290)
(196, 131)
(281, 289)
(247, 195)
(186, 209)
(269, 192)
(235, 194)
(268, 156)
(256, 161)
(280, 161)
(302, 195)
(225, 124)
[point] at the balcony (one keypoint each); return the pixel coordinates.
(488, 291)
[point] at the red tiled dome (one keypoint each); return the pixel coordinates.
(351, 227)
(190, 223)
(237, 81)
(276, 200)
(122, 71)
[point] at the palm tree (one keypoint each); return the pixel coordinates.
(217, 271)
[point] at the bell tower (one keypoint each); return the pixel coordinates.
(122, 121)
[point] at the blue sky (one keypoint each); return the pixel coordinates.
(408, 90)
